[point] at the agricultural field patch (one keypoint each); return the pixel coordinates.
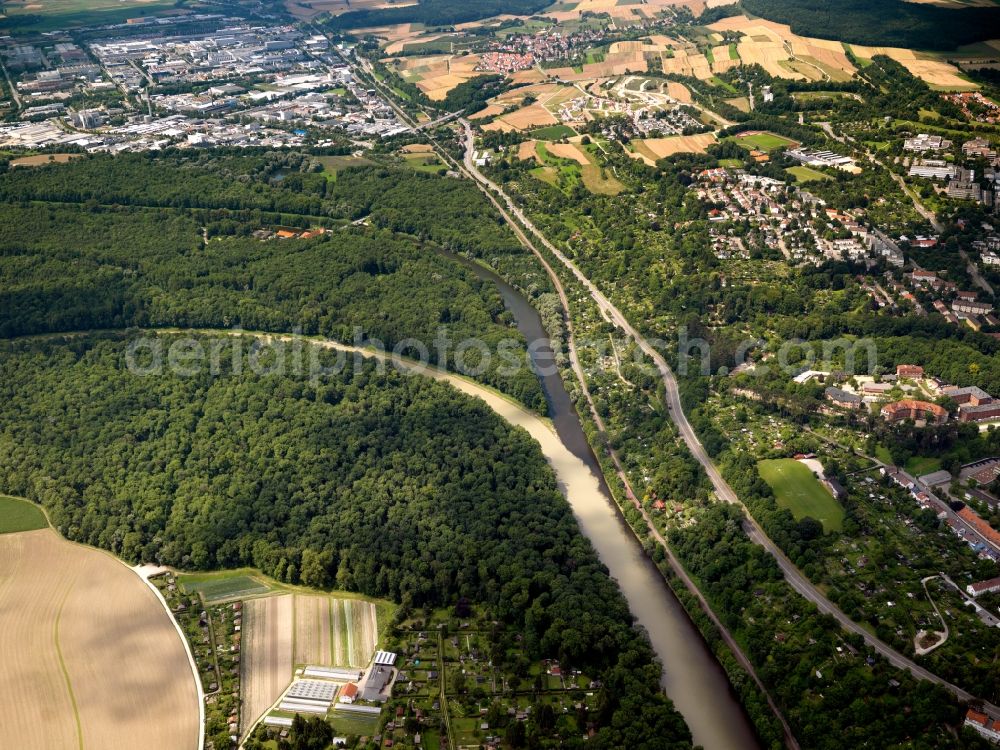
(552, 133)
(436, 75)
(266, 666)
(91, 658)
(651, 150)
(20, 515)
(59, 15)
(784, 54)
(39, 159)
(226, 585)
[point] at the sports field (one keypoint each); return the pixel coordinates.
(90, 657)
(797, 489)
(20, 515)
(763, 141)
(807, 174)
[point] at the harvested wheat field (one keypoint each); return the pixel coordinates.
(568, 151)
(266, 668)
(767, 44)
(687, 64)
(91, 658)
(524, 118)
(526, 150)
(652, 149)
(436, 75)
(679, 92)
(312, 630)
(936, 73)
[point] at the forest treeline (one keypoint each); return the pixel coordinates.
(435, 13)
(370, 480)
(78, 267)
(889, 23)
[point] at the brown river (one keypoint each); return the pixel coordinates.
(692, 677)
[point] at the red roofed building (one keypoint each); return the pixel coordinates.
(983, 724)
(349, 693)
(983, 587)
(972, 518)
(909, 371)
(912, 409)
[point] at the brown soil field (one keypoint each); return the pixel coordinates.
(417, 148)
(266, 668)
(90, 657)
(40, 159)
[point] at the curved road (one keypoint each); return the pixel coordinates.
(793, 575)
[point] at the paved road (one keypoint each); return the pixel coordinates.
(793, 575)
(10, 85)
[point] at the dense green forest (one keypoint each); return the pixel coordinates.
(74, 267)
(436, 13)
(891, 23)
(370, 480)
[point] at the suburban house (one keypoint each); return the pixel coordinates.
(983, 587)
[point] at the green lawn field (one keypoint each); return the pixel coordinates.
(763, 141)
(797, 489)
(920, 465)
(807, 174)
(552, 133)
(20, 515)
